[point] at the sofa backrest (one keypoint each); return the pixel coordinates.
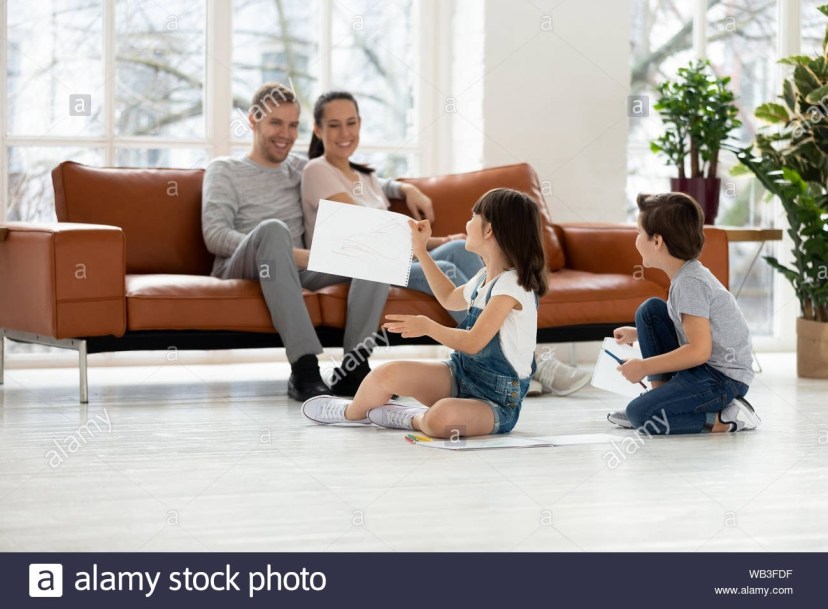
(159, 211)
(454, 195)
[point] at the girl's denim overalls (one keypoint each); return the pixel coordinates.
(487, 375)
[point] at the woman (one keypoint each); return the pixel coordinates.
(331, 175)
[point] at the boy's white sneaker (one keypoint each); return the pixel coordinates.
(559, 379)
(329, 410)
(619, 417)
(395, 415)
(740, 415)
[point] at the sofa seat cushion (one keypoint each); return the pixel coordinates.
(580, 297)
(198, 302)
(333, 302)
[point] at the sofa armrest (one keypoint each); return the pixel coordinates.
(610, 248)
(62, 280)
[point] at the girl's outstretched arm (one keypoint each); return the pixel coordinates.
(447, 295)
(467, 341)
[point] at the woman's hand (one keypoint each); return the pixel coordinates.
(438, 241)
(418, 204)
(420, 234)
(625, 334)
(633, 370)
(409, 326)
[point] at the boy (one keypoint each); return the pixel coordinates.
(696, 346)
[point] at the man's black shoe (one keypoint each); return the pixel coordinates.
(346, 383)
(305, 381)
(304, 387)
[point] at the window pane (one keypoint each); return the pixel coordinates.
(55, 73)
(742, 45)
(275, 40)
(160, 68)
(31, 198)
(179, 158)
(813, 27)
(373, 57)
(661, 42)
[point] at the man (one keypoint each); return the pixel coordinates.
(252, 221)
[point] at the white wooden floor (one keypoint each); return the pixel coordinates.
(212, 458)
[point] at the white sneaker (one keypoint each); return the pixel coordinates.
(398, 416)
(328, 410)
(559, 379)
(535, 389)
(740, 415)
(619, 417)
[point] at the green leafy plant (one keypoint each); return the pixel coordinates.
(808, 229)
(801, 140)
(792, 164)
(698, 112)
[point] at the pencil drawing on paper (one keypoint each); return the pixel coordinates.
(362, 243)
(382, 241)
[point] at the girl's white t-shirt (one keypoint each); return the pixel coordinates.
(518, 334)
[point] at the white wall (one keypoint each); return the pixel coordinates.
(555, 78)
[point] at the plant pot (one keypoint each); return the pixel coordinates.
(811, 349)
(703, 190)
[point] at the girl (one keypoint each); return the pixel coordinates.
(480, 389)
(332, 175)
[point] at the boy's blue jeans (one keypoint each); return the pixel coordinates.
(682, 403)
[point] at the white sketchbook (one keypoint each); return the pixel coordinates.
(513, 441)
(607, 376)
(360, 242)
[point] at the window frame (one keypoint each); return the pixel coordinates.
(218, 95)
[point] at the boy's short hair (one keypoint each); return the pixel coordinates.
(678, 218)
(271, 95)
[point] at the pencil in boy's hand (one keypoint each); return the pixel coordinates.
(622, 362)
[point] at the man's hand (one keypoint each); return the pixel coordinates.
(409, 326)
(418, 204)
(633, 370)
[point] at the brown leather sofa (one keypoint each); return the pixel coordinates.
(126, 268)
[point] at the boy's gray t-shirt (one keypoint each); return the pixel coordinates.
(694, 290)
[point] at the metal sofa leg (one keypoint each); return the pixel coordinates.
(84, 382)
(2, 357)
(77, 344)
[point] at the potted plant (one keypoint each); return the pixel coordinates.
(792, 164)
(698, 112)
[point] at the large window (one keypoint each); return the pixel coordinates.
(362, 46)
(150, 84)
(740, 40)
